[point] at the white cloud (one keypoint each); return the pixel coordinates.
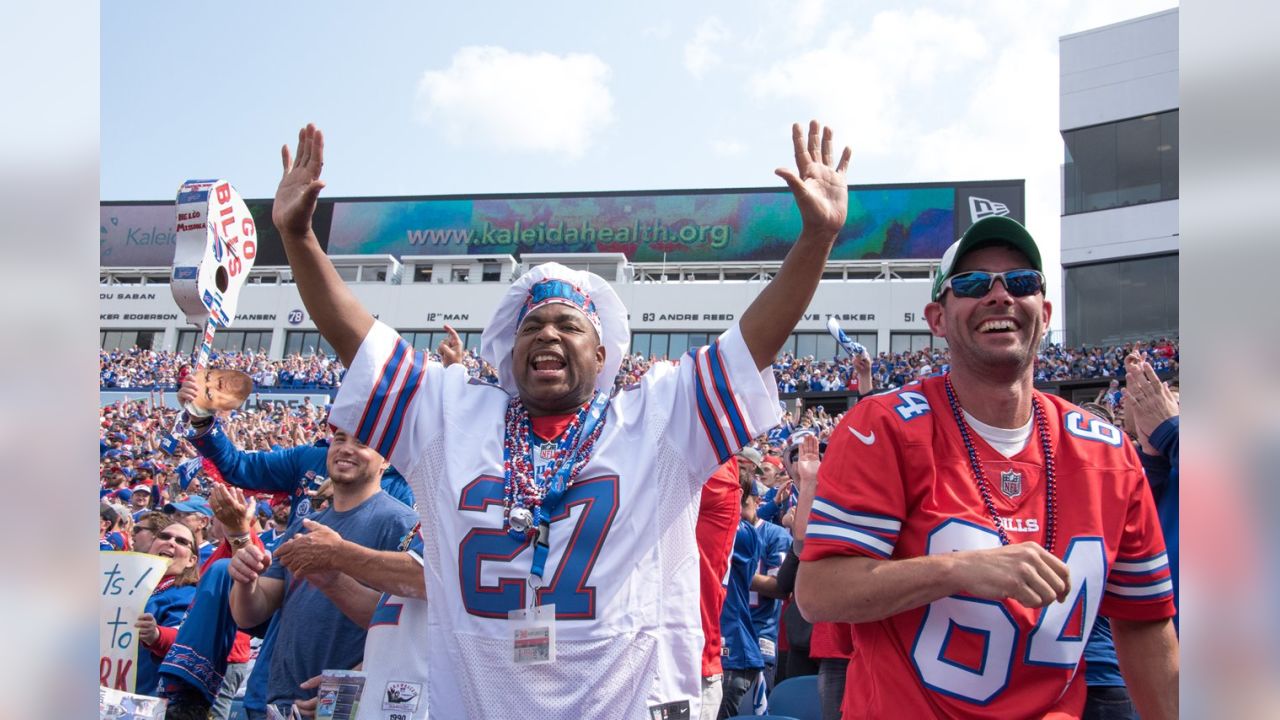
(864, 82)
(535, 102)
(700, 53)
(727, 148)
(805, 16)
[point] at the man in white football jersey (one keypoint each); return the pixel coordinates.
(559, 552)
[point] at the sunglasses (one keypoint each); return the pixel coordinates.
(174, 538)
(977, 283)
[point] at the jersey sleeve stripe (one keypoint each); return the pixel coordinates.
(818, 516)
(1152, 591)
(410, 388)
(1141, 565)
(728, 400)
(849, 536)
(715, 434)
(707, 383)
(882, 523)
(377, 397)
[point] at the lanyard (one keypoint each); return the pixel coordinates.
(559, 481)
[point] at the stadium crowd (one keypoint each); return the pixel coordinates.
(136, 369)
(822, 556)
(143, 492)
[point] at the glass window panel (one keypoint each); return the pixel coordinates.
(471, 340)
(292, 343)
(869, 341)
(658, 345)
(1138, 160)
(826, 346)
(806, 344)
(1070, 178)
(697, 340)
(678, 345)
(1095, 155)
(1121, 163)
(1114, 303)
(349, 273)
(900, 343)
(1168, 151)
(640, 344)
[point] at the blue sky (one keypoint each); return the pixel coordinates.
(426, 98)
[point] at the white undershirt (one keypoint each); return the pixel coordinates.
(1007, 441)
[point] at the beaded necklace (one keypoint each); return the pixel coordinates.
(524, 487)
(980, 477)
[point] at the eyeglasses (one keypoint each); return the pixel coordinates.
(165, 535)
(977, 283)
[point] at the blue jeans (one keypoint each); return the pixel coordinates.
(1108, 703)
(736, 685)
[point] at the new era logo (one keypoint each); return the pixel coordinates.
(982, 207)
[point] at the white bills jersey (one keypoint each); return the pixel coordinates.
(622, 570)
(395, 658)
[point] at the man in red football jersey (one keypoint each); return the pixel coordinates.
(973, 529)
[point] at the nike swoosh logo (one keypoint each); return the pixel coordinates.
(866, 439)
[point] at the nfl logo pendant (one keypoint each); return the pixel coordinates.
(1011, 483)
(547, 451)
(521, 519)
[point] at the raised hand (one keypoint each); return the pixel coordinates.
(818, 185)
(808, 461)
(1148, 400)
(232, 509)
(451, 350)
(300, 186)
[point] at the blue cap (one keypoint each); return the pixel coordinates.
(195, 503)
(124, 494)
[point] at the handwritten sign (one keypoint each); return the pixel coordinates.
(125, 584)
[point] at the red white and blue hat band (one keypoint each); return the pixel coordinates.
(553, 291)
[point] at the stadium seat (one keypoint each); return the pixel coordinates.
(797, 697)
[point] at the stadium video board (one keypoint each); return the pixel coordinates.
(884, 222)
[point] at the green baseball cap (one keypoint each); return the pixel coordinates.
(993, 228)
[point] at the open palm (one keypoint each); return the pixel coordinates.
(300, 186)
(817, 182)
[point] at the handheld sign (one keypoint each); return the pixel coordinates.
(214, 249)
(125, 583)
(851, 347)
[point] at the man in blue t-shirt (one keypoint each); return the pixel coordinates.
(312, 633)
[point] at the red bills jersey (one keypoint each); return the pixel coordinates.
(896, 483)
(718, 516)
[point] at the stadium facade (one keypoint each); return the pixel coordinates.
(1118, 115)
(686, 263)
